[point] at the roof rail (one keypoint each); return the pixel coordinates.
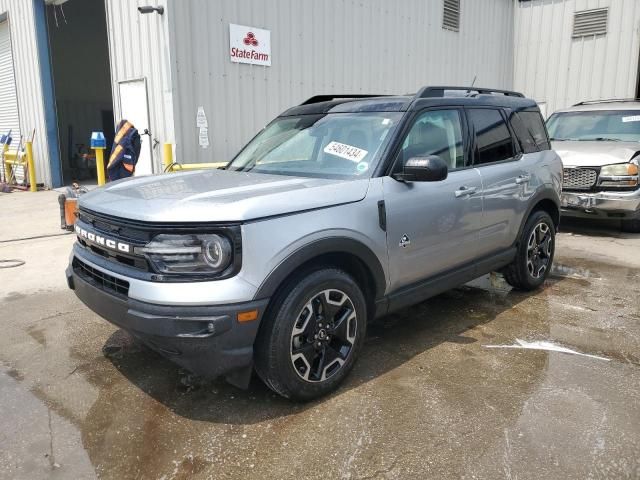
(429, 92)
(326, 98)
(607, 100)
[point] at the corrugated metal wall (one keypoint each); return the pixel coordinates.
(331, 46)
(555, 68)
(9, 116)
(139, 48)
(28, 83)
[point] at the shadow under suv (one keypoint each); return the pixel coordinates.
(341, 210)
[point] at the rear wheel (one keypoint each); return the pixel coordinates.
(534, 255)
(632, 225)
(312, 336)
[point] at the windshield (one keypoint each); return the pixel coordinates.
(334, 145)
(617, 125)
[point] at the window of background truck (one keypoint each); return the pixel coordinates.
(334, 145)
(436, 132)
(598, 125)
(493, 139)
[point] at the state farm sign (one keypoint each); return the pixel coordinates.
(249, 45)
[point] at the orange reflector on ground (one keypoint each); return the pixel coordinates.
(249, 316)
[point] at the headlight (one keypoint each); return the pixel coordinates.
(619, 169)
(619, 175)
(188, 254)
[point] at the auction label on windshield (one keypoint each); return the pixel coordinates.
(632, 118)
(343, 150)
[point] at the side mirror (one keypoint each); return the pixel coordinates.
(423, 169)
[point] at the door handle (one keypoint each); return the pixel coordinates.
(523, 179)
(465, 191)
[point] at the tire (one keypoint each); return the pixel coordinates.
(534, 256)
(632, 225)
(320, 317)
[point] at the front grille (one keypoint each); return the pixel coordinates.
(116, 227)
(579, 178)
(102, 280)
(114, 230)
(134, 261)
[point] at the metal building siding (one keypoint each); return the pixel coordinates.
(139, 48)
(555, 68)
(9, 117)
(28, 81)
(336, 46)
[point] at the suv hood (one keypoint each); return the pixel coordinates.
(594, 153)
(218, 196)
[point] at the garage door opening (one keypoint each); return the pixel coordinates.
(79, 51)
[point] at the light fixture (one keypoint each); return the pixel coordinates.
(150, 9)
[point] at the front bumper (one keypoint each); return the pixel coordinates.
(207, 340)
(601, 204)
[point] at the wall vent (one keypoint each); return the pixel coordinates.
(451, 15)
(590, 22)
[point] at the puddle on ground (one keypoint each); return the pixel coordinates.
(560, 270)
(423, 370)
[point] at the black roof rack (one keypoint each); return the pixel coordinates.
(327, 98)
(607, 100)
(430, 92)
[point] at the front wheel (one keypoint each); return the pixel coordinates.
(534, 255)
(312, 335)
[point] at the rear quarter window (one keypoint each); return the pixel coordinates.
(532, 121)
(525, 139)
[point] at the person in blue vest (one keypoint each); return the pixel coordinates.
(125, 152)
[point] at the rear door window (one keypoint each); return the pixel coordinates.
(493, 138)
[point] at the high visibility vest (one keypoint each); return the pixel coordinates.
(125, 152)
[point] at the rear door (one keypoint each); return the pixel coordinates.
(433, 226)
(497, 158)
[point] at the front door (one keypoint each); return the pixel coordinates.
(433, 227)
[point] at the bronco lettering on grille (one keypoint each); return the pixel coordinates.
(96, 239)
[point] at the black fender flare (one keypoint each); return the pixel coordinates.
(336, 245)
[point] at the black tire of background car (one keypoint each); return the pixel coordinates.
(632, 225)
(517, 274)
(272, 348)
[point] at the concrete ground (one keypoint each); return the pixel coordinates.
(428, 398)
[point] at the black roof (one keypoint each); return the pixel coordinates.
(427, 96)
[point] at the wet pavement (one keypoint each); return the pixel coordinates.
(427, 399)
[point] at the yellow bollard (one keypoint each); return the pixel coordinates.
(100, 164)
(167, 157)
(31, 165)
(7, 167)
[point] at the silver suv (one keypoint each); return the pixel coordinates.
(339, 211)
(599, 143)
